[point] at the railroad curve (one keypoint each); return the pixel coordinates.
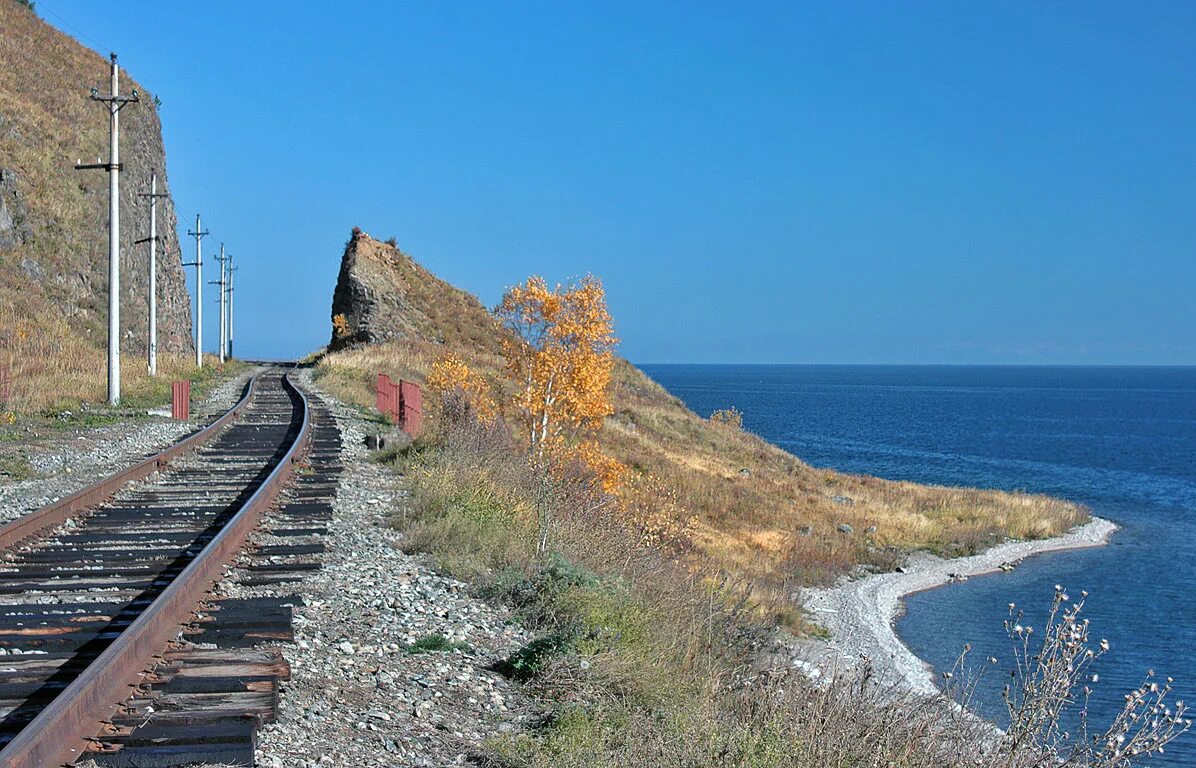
(91, 596)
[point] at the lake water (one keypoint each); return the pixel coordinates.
(1121, 440)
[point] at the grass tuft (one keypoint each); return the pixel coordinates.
(15, 467)
(436, 643)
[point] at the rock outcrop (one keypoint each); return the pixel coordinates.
(14, 219)
(369, 304)
(382, 294)
(54, 219)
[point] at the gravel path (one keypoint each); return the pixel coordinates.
(85, 455)
(860, 614)
(357, 697)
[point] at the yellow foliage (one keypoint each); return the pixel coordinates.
(653, 509)
(340, 326)
(728, 417)
(560, 357)
(609, 473)
(451, 375)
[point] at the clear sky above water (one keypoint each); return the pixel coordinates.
(792, 182)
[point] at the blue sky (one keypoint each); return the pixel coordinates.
(793, 182)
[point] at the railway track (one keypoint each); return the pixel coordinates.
(99, 594)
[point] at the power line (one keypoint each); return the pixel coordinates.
(41, 6)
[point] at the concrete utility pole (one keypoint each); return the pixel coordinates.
(231, 270)
(198, 234)
(223, 325)
(115, 103)
(153, 273)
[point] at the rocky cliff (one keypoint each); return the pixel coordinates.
(54, 219)
(382, 294)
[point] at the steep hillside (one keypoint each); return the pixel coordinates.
(761, 512)
(382, 294)
(53, 219)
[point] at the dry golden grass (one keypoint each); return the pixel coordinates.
(775, 525)
(350, 373)
(757, 525)
(51, 123)
(54, 280)
(783, 515)
(49, 367)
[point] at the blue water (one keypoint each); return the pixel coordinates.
(1121, 440)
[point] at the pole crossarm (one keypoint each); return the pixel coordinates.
(197, 236)
(81, 166)
(115, 103)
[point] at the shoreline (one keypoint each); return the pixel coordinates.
(860, 614)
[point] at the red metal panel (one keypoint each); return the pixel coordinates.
(180, 400)
(387, 396)
(390, 396)
(411, 408)
(380, 389)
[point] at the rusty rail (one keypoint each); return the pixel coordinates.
(62, 732)
(51, 515)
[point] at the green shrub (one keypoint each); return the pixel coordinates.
(531, 659)
(560, 572)
(436, 643)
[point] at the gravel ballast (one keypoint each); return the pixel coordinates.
(357, 695)
(87, 455)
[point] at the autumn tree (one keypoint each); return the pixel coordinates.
(560, 355)
(461, 387)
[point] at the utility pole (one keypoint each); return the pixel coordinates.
(221, 301)
(231, 270)
(153, 273)
(115, 103)
(198, 234)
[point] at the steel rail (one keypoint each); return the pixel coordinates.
(62, 732)
(57, 513)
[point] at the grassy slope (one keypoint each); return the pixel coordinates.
(53, 329)
(751, 525)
